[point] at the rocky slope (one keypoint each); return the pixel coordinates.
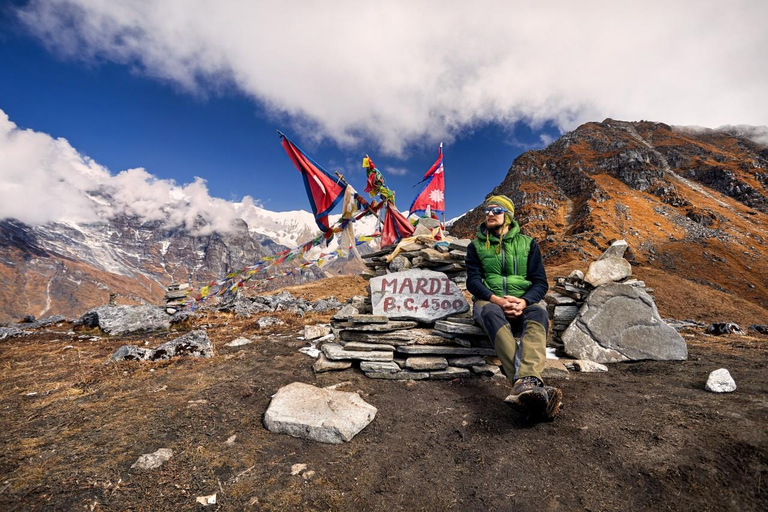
(693, 202)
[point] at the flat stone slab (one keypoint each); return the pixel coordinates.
(426, 363)
(402, 337)
(619, 322)
(450, 373)
(322, 415)
(485, 370)
(554, 369)
(393, 325)
(323, 364)
(417, 294)
(336, 351)
(368, 347)
(466, 362)
(459, 328)
(383, 367)
(346, 312)
(401, 375)
(441, 350)
(369, 319)
(118, 320)
(616, 250)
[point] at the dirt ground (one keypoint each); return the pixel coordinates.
(644, 436)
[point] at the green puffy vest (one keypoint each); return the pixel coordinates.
(504, 272)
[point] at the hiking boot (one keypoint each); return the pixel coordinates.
(554, 402)
(529, 395)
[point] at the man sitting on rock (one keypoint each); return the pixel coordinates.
(506, 276)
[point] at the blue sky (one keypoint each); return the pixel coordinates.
(123, 119)
(187, 89)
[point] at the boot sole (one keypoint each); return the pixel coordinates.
(532, 402)
(554, 403)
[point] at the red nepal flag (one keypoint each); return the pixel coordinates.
(433, 193)
(324, 192)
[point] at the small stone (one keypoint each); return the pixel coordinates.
(607, 270)
(383, 367)
(492, 360)
(616, 250)
(585, 366)
(268, 321)
(554, 369)
(230, 440)
(153, 460)
(296, 469)
(346, 312)
(426, 363)
(206, 500)
(486, 370)
(323, 364)
(576, 275)
(312, 332)
(450, 373)
(399, 263)
(239, 342)
(720, 381)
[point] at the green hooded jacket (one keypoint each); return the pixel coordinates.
(504, 262)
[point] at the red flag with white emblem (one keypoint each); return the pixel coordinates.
(433, 193)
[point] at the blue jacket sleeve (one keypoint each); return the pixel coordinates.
(535, 274)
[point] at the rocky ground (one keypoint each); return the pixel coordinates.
(644, 436)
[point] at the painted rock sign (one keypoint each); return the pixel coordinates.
(416, 294)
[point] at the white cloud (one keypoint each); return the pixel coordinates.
(395, 171)
(397, 72)
(43, 179)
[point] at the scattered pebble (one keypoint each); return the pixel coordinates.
(153, 460)
(206, 500)
(231, 440)
(297, 468)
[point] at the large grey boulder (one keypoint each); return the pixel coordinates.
(118, 320)
(619, 322)
(317, 414)
(194, 343)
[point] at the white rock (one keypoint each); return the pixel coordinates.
(206, 500)
(239, 342)
(321, 415)
(585, 366)
(297, 469)
(720, 381)
(607, 270)
(312, 332)
(153, 460)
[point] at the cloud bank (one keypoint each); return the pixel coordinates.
(392, 73)
(43, 179)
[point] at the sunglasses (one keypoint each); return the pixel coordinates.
(495, 210)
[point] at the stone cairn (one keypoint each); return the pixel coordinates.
(567, 296)
(175, 296)
(439, 342)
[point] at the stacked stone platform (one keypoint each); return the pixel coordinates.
(407, 350)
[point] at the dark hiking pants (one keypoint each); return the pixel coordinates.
(529, 358)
